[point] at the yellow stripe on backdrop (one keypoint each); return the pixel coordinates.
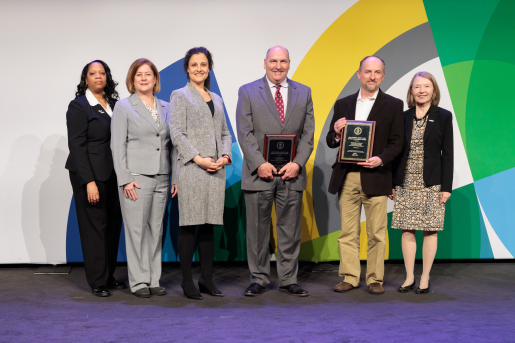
(330, 63)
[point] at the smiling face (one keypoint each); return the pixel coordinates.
(144, 80)
(96, 78)
(371, 74)
(277, 64)
(198, 68)
(422, 90)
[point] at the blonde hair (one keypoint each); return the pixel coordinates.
(132, 73)
(435, 99)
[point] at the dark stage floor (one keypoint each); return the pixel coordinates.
(469, 302)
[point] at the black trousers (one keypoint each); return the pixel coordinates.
(99, 228)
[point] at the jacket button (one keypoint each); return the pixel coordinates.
(157, 134)
(425, 156)
(157, 149)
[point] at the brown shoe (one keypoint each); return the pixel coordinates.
(343, 287)
(376, 288)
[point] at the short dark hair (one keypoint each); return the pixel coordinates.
(195, 51)
(363, 60)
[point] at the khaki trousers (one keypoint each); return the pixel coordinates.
(351, 197)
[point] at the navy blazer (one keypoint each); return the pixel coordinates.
(89, 137)
(438, 149)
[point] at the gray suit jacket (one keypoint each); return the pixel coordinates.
(139, 145)
(256, 115)
(195, 132)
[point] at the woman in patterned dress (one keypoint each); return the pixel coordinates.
(422, 176)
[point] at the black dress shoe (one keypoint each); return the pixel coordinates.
(407, 288)
(294, 289)
(100, 292)
(424, 290)
(254, 290)
(211, 291)
(143, 293)
(190, 291)
(157, 290)
(116, 284)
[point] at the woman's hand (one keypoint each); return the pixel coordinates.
(338, 127)
(174, 190)
(392, 197)
(206, 163)
(444, 196)
(129, 190)
(93, 195)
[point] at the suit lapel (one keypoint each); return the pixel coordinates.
(94, 110)
(200, 103)
(377, 105)
(432, 117)
(408, 126)
(266, 93)
(162, 115)
(140, 108)
(292, 99)
(351, 106)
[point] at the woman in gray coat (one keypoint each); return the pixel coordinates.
(203, 141)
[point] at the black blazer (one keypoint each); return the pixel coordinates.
(387, 113)
(89, 139)
(438, 149)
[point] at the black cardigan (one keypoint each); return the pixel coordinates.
(438, 149)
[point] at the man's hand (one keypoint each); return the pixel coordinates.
(339, 126)
(266, 171)
(392, 197)
(372, 162)
(289, 171)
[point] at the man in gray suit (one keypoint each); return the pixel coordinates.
(274, 105)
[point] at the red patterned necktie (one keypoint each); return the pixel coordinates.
(279, 103)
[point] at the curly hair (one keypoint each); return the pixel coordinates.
(110, 93)
(199, 50)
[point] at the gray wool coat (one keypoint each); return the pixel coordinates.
(194, 131)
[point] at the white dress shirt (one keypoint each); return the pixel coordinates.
(283, 90)
(93, 102)
(363, 107)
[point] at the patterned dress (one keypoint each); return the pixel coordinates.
(416, 205)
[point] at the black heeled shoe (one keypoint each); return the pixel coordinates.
(204, 289)
(423, 291)
(191, 292)
(407, 288)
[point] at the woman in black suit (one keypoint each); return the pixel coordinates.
(92, 175)
(422, 176)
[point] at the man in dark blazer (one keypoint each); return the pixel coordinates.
(366, 183)
(274, 105)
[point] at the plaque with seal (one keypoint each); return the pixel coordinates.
(279, 149)
(357, 141)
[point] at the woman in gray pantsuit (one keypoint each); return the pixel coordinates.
(203, 141)
(141, 145)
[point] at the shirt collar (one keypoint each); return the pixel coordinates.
(283, 84)
(373, 97)
(92, 100)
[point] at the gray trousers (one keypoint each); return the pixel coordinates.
(143, 222)
(288, 206)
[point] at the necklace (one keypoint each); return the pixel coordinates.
(422, 120)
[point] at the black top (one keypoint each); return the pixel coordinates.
(211, 106)
(89, 138)
(438, 149)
